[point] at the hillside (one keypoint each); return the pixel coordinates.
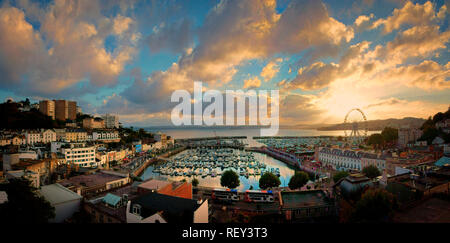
(378, 125)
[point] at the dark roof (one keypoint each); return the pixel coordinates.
(303, 199)
(173, 208)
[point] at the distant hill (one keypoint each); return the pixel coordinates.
(378, 125)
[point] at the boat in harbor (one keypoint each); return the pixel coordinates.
(206, 162)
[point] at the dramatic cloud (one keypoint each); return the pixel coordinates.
(68, 48)
(237, 31)
(363, 22)
(412, 14)
(319, 75)
(252, 83)
(427, 75)
(329, 60)
(296, 109)
(271, 69)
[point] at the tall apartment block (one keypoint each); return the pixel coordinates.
(47, 107)
(59, 109)
(408, 135)
(72, 110)
(111, 121)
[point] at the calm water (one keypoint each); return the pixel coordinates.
(286, 172)
(181, 133)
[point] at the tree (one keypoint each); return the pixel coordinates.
(429, 134)
(24, 204)
(371, 171)
(269, 180)
(229, 179)
(339, 175)
(375, 205)
(376, 140)
(389, 134)
(194, 182)
(299, 179)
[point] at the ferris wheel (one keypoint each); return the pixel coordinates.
(355, 126)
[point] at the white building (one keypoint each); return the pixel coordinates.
(48, 136)
(105, 135)
(65, 201)
(79, 154)
(340, 159)
(111, 121)
(33, 137)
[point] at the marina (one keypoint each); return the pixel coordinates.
(207, 165)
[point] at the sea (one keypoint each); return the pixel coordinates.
(186, 132)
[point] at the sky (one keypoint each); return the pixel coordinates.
(389, 58)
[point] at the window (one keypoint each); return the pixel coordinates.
(137, 209)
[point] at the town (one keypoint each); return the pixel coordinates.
(63, 166)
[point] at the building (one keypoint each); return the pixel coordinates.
(60, 134)
(161, 137)
(44, 168)
(33, 177)
(18, 140)
(408, 135)
(176, 189)
(353, 183)
(48, 135)
(47, 107)
(33, 136)
(79, 154)
(65, 201)
(89, 185)
(106, 136)
(65, 110)
(160, 208)
(377, 160)
(111, 121)
(76, 135)
(12, 139)
(72, 110)
(340, 159)
(408, 161)
(299, 205)
(110, 207)
(93, 123)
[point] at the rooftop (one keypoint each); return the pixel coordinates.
(57, 194)
(90, 180)
(153, 184)
(300, 199)
(171, 207)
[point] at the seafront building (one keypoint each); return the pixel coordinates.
(344, 159)
(340, 159)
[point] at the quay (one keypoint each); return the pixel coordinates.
(145, 162)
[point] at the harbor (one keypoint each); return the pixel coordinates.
(207, 165)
